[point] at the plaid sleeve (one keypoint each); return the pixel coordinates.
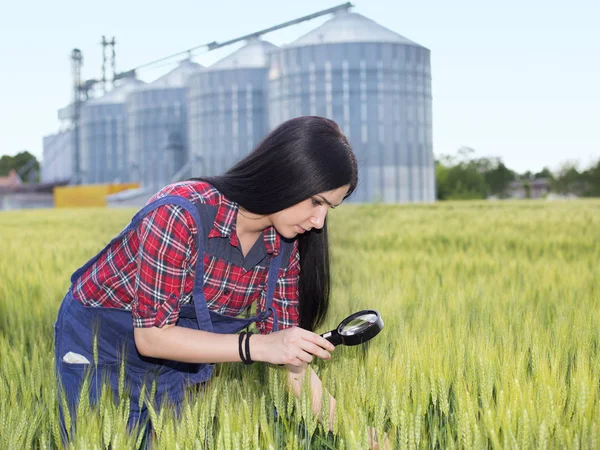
(166, 237)
(285, 298)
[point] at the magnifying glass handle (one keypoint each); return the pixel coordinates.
(333, 336)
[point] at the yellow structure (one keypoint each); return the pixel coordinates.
(87, 195)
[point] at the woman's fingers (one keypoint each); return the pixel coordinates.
(304, 356)
(315, 350)
(316, 345)
(318, 340)
(296, 346)
(373, 442)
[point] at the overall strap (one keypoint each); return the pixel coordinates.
(274, 266)
(200, 306)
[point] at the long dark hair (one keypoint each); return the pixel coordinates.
(300, 158)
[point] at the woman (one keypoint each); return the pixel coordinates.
(147, 298)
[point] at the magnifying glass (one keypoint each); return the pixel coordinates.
(356, 328)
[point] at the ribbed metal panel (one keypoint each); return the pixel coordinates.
(378, 92)
(57, 160)
(103, 136)
(157, 127)
(228, 112)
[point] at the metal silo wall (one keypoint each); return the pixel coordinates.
(57, 163)
(157, 132)
(380, 95)
(227, 117)
(103, 143)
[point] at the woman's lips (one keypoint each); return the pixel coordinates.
(300, 229)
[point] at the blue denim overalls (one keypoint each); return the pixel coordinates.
(77, 325)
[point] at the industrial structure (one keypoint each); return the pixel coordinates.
(196, 121)
(57, 158)
(228, 105)
(103, 135)
(376, 85)
(157, 128)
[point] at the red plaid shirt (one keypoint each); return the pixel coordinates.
(150, 270)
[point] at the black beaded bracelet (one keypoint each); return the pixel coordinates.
(248, 358)
(242, 334)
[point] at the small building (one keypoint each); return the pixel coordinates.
(537, 188)
(19, 195)
(13, 179)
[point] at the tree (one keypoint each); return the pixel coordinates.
(26, 165)
(527, 188)
(441, 181)
(544, 173)
(465, 177)
(591, 179)
(459, 181)
(462, 176)
(498, 179)
(466, 183)
(527, 176)
(568, 180)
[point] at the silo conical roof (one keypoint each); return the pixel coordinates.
(119, 93)
(345, 27)
(253, 55)
(177, 77)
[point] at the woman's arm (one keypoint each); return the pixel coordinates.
(295, 381)
(294, 346)
(186, 345)
(165, 255)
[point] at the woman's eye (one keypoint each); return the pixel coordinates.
(316, 202)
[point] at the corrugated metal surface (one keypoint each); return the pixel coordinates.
(157, 127)
(379, 92)
(103, 136)
(371, 80)
(57, 160)
(228, 111)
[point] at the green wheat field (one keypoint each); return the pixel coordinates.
(491, 338)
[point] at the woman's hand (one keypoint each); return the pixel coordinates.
(373, 442)
(294, 346)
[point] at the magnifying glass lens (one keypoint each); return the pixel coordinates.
(356, 329)
(358, 324)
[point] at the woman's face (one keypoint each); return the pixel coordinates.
(308, 214)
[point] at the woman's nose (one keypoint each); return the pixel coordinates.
(319, 220)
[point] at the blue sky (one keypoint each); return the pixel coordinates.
(514, 79)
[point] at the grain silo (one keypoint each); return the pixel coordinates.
(57, 160)
(376, 85)
(228, 111)
(103, 135)
(157, 127)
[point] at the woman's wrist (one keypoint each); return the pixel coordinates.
(257, 350)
